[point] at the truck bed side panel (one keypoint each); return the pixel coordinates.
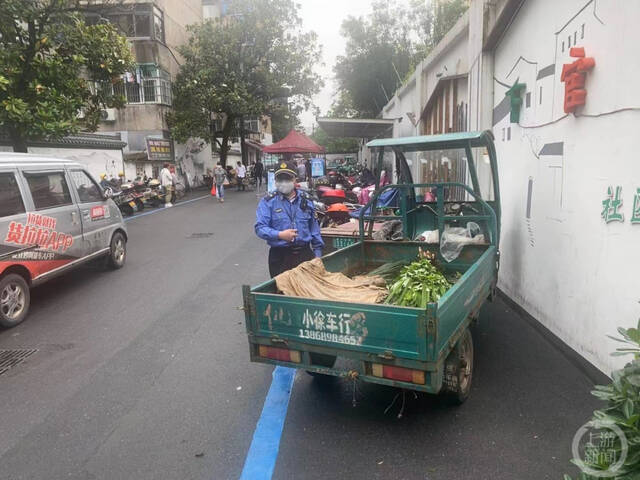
(465, 297)
(370, 328)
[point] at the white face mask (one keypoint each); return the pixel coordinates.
(285, 186)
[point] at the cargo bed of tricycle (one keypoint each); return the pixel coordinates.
(370, 335)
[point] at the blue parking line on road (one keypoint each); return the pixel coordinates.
(263, 452)
(162, 209)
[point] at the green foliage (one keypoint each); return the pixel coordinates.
(342, 106)
(334, 144)
(50, 60)
(283, 120)
(433, 22)
(383, 49)
(622, 397)
(379, 51)
(256, 60)
(388, 271)
(417, 285)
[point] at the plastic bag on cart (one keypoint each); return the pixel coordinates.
(455, 238)
(429, 236)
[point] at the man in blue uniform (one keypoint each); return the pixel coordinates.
(286, 220)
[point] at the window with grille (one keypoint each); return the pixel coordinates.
(142, 20)
(148, 84)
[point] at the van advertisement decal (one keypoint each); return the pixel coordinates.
(99, 212)
(39, 230)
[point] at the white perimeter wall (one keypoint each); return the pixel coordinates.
(96, 161)
(572, 271)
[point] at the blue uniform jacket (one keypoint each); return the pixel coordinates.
(276, 213)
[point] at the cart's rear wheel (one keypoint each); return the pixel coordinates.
(321, 360)
(458, 370)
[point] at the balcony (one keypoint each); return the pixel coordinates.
(151, 90)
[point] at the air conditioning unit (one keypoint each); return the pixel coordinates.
(108, 115)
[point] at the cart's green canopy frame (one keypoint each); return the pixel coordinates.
(446, 141)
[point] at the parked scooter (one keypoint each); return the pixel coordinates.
(129, 189)
(157, 192)
(125, 202)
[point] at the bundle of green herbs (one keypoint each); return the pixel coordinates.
(418, 284)
(389, 271)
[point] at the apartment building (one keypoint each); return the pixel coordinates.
(155, 28)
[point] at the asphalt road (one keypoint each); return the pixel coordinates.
(143, 373)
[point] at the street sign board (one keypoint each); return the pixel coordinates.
(159, 149)
(317, 167)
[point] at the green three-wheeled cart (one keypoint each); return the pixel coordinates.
(430, 349)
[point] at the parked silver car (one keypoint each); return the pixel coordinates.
(53, 217)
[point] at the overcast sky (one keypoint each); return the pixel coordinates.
(325, 17)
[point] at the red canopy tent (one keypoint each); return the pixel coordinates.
(294, 142)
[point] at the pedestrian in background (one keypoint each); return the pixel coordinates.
(241, 173)
(166, 180)
(219, 176)
(302, 171)
(174, 183)
(258, 172)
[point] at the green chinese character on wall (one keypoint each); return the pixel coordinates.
(515, 100)
(611, 205)
(635, 214)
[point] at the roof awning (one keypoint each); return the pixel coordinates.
(136, 157)
(357, 127)
(294, 142)
(432, 142)
(253, 144)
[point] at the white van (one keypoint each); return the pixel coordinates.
(53, 217)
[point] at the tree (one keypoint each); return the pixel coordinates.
(383, 49)
(256, 60)
(283, 120)
(51, 63)
(378, 53)
(432, 22)
(334, 144)
(342, 106)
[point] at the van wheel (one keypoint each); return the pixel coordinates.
(118, 251)
(14, 300)
(458, 370)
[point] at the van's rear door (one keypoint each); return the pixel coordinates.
(12, 210)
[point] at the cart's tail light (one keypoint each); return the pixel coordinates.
(398, 373)
(282, 354)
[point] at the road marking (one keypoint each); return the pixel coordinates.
(162, 209)
(263, 451)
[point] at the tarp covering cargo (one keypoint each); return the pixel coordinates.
(311, 280)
